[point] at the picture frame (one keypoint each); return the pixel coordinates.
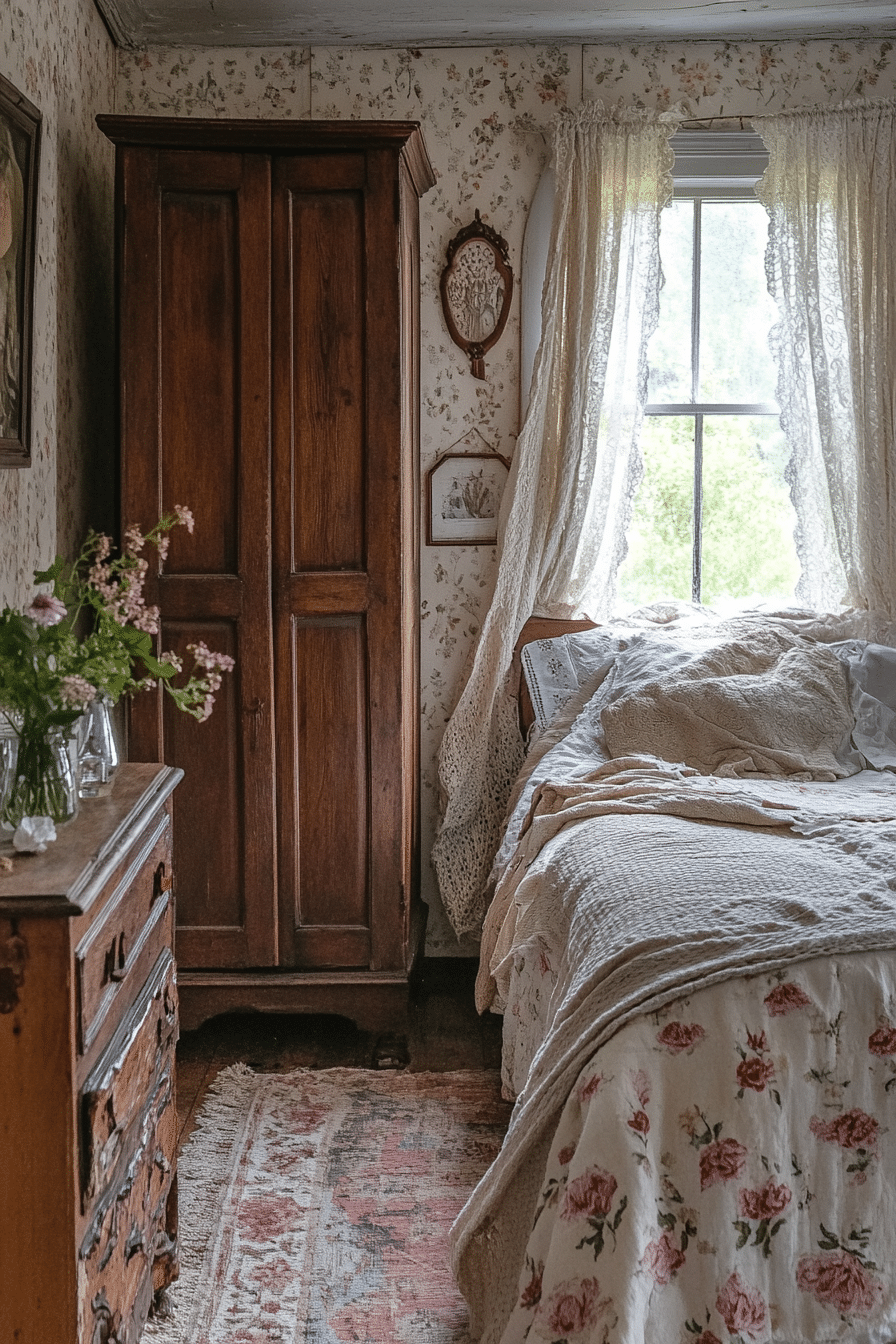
(464, 496)
(476, 288)
(20, 126)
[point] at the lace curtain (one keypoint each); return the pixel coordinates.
(830, 189)
(576, 467)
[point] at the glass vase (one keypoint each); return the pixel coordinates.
(97, 750)
(40, 781)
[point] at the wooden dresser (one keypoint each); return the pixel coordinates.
(88, 1026)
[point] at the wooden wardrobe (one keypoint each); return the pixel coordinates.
(269, 380)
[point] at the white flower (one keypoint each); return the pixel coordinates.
(46, 610)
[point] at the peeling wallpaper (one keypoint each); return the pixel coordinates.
(485, 114)
(58, 53)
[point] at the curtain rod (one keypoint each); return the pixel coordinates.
(855, 105)
(729, 116)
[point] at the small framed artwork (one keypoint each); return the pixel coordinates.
(476, 288)
(464, 498)
(19, 150)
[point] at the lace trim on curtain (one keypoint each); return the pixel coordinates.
(830, 190)
(576, 467)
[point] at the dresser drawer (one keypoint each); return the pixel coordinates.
(132, 928)
(121, 1089)
(129, 1247)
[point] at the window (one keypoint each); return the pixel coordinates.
(713, 518)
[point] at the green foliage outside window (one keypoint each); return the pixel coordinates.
(748, 519)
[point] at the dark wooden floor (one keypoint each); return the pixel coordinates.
(444, 1032)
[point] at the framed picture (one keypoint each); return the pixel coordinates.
(464, 497)
(19, 149)
(476, 288)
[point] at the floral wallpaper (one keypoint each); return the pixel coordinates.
(60, 57)
(485, 114)
(714, 79)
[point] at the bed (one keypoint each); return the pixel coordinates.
(692, 940)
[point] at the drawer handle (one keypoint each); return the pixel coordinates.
(162, 881)
(116, 959)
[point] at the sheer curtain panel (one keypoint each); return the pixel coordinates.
(576, 466)
(830, 189)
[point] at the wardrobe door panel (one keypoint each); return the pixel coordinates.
(326, 247)
(330, 843)
(208, 833)
(321, 445)
(199, 406)
(195, 285)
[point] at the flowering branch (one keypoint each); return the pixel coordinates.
(93, 634)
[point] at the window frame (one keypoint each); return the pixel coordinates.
(720, 165)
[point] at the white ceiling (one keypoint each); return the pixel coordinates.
(447, 23)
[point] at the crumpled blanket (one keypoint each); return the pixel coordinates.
(810, 877)
(768, 703)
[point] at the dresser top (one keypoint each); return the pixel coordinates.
(68, 876)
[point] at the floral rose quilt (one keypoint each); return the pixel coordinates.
(724, 1172)
(703, 1040)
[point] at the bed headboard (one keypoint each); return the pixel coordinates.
(539, 627)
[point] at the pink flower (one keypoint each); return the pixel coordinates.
(566, 1155)
(184, 516)
(531, 1294)
(46, 610)
(721, 1161)
(76, 692)
(786, 998)
(740, 1307)
(678, 1036)
(208, 660)
(853, 1129)
(663, 1259)
(757, 1042)
(640, 1122)
(766, 1202)
(883, 1041)
(755, 1073)
(589, 1089)
(134, 540)
(589, 1196)
(641, 1084)
(707, 1337)
(839, 1280)
(574, 1306)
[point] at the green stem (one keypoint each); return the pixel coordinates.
(40, 788)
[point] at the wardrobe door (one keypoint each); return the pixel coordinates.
(337, 487)
(195, 364)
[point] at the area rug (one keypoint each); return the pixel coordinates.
(315, 1206)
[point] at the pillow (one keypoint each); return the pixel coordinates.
(872, 672)
(554, 669)
(759, 702)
